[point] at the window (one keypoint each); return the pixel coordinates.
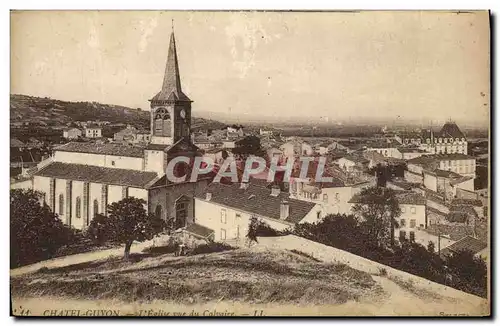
(158, 211)
(412, 236)
(413, 210)
(113, 163)
(402, 223)
(402, 235)
(96, 207)
(403, 209)
(318, 215)
(337, 196)
(223, 218)
(78, 207)
(325, 198)
(413, 223)
(222, 234)
(181, 212)
(61, 204)
(158, 125)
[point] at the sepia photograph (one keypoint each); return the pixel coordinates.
(250, 163)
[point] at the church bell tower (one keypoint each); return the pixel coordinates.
(170, 108)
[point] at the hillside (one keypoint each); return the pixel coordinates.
(24, 108)
(280, 282)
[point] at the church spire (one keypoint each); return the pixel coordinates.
(171, 89)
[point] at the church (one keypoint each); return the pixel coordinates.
(80, 179)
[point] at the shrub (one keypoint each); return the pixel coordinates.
(210, 247)
(258, 228)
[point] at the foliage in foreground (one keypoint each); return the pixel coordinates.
(127, 221)
(36, 233)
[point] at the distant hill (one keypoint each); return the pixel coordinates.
(52, 112)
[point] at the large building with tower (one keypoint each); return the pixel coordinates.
(80, 179)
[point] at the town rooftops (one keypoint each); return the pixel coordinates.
(255, 200)
(97, 174)
(356, 159)
(443, 173)
(467, 243)
(93, 126)
(466, 201)
(426, 159)
(403, 197)
(104, 149)
(410, 198)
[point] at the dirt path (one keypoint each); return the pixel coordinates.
(80, 258)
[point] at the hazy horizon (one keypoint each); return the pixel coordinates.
(380, 66)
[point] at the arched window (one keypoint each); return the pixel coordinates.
(96, 207)
(78, 207)
(61, 204)
(325, 198)
(158, 211)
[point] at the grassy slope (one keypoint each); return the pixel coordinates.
(239, 275)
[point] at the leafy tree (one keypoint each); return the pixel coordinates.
(431, 247)
(36, 233)
(468, 272)
(378, 207)
(258, 228)
(127, 221)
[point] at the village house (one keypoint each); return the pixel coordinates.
(446, 183)
(353, 162)
(132, 135)
(274, 152)
(413, 216)
(459, 163)
(218, 155)
(227, 210)
(385, 149)
(296, 147)
(408, 153)
(93, 131)
(72, 133)
(265, 132)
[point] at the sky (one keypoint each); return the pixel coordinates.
(419, 66)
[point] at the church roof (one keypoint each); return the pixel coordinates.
(104, 149)
(171, 89)
(451, 130)
(97, 174)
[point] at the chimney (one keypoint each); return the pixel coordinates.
(209, 196)
(284, 210)
(275, 191)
